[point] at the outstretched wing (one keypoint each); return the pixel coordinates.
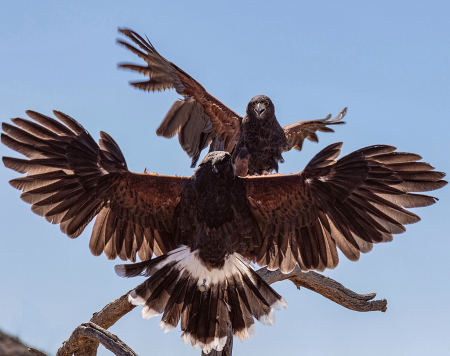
(70, 180)
(350, 203)
(199, 117)
(297, 132)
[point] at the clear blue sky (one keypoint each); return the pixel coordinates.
(388, 61)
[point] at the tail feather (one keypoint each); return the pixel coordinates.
(174, 307)
(206, 300)
(160, 295)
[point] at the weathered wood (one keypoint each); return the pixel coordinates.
(105, 318)
(36, 352)
(327, 287)
(91, 331)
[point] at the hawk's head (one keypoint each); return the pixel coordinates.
(260, 107)
(217, 163)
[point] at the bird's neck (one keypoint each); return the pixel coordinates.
(253, 120)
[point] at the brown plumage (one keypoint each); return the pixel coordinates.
(200, 120)
(199, 227)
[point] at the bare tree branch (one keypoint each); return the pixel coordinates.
(92, 331)
(86, 345)
(327, 287)
(105, 318)
(36, 352)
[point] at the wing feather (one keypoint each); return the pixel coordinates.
(350, 203)
(297, 132)
(70, 180)
(199, 118)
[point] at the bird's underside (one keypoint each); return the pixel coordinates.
(200, 227)
(201, 120)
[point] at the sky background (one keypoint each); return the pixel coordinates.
(388, 61)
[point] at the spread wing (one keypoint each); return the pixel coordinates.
(350, 203)
(70, 180)
(197, 119)
(297, 132)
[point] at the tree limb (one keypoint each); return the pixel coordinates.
(93, 331)
(36, 352)
(105, 318)
(90, 331)
(327, 287)
(86, 345)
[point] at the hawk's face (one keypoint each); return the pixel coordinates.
(260, 107)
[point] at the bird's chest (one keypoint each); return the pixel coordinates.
(264, 141)
(259, 138)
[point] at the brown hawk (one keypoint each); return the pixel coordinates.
(200, 120)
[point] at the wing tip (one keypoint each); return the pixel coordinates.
(125, 31)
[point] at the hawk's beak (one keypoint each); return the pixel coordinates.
(260, 107)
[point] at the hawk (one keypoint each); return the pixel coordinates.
(204, 229)
(200, 120)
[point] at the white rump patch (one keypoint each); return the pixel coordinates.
(189, 262)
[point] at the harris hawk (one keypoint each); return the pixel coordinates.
(201, 120)
(200, 227)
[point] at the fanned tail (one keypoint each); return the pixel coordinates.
(206, 299)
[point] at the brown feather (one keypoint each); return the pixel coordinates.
(71, 179)
(352, 202)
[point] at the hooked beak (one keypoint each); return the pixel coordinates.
(259, 108)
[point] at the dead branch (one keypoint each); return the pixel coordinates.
(327, 287)
(105, 318)
(93, 331)
(90, 331)
(36, 352)
(86, 345)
